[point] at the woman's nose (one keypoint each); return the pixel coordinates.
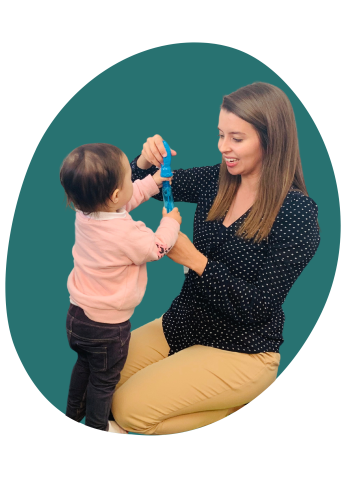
(224, 145)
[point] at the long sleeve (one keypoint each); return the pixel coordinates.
(144, 245)
(142, 191)
(187, 185)
(294, 241)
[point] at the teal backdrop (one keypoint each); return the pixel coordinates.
(123, 106)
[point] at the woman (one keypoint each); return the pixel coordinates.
(255, 230)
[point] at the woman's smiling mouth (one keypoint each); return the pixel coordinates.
(230, 161)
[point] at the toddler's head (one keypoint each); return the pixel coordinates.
(96, 177)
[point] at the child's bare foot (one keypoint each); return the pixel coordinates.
(113, 427)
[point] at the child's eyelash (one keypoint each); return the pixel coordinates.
(236, 140)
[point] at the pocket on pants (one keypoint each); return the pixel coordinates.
(96, 356)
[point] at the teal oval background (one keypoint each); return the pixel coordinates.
(123, 106)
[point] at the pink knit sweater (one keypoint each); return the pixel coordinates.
(110, 254)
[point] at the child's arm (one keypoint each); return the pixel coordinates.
(145, 245)
(144, 189)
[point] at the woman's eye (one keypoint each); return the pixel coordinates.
(221, 136)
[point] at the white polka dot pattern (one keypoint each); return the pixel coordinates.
(236, 304)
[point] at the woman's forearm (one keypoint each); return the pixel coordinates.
(142, 163)
(185, 253)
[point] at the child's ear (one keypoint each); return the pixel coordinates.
(114, 196)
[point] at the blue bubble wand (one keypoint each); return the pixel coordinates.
(166, 172)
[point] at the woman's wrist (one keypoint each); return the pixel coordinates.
(142, 163)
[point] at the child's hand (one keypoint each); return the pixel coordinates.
(175, 214)
(159, 180)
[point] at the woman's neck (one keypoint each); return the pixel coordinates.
(250, 183)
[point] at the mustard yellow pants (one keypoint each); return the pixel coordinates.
(160, 395)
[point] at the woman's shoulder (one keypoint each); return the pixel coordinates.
(298, 211)
(298, 201)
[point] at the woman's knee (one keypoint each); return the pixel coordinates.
(129, 412)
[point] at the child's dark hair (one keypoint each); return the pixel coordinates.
(90, 174)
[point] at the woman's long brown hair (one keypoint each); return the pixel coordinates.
(270, 112)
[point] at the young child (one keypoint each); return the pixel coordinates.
(109, 276)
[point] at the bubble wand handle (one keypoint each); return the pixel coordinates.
(166, 172)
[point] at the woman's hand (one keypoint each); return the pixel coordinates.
(153, 152)
(185, 253)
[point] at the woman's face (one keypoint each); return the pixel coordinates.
(239, 145)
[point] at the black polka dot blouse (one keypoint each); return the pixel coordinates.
(236, 304)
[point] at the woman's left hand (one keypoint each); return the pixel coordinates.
(185, 253)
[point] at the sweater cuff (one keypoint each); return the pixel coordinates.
(207, 272)
(216, 276)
